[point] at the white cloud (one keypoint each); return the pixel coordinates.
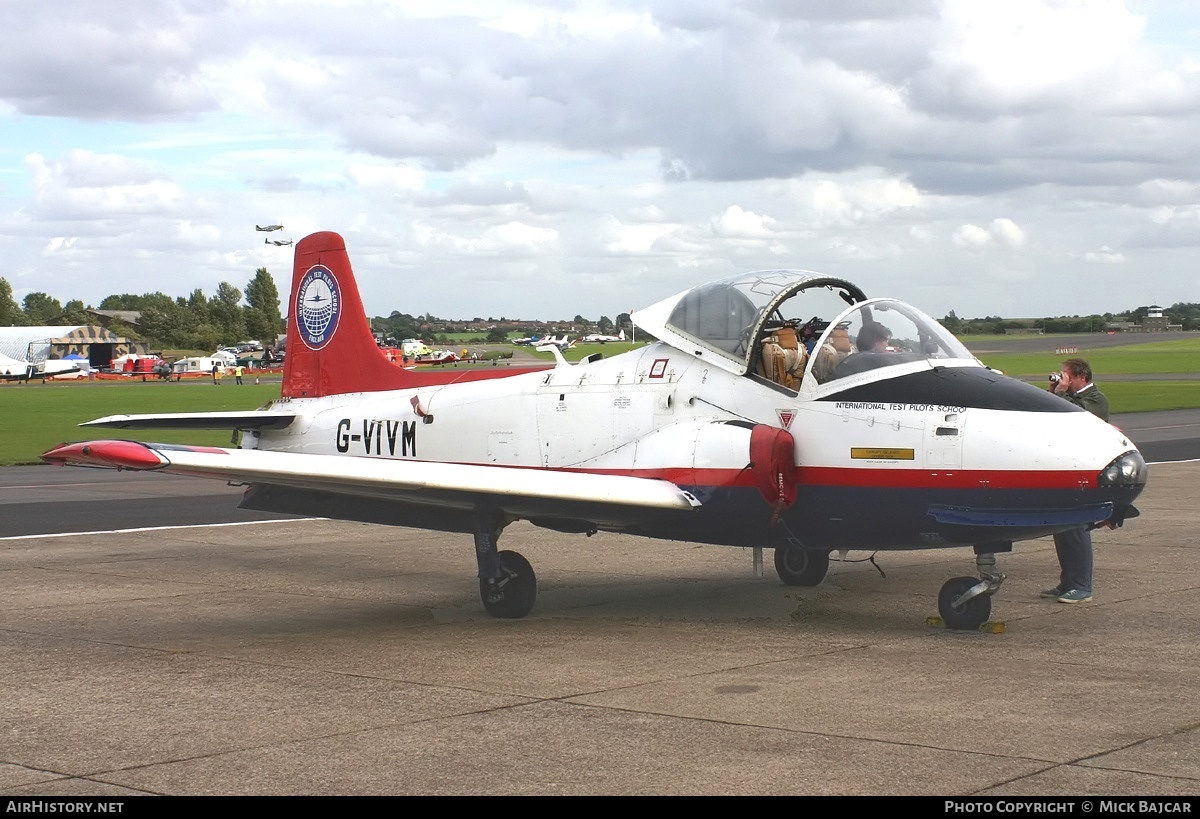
(633, 141)
(197, 235)
(511, 239)
(1026, 51)
(623, 239)
(388, 177)
(1007, 232)
(1000, 232)
(1169, 191)
(1105, 255)
(515, 236)
(736, 223)
(971, 236)
(86, 186)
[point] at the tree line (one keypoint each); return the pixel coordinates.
(492, 330)
(1183, 313)
(194, 322)
(202, 322)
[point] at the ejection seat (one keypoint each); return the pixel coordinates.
(781, 356)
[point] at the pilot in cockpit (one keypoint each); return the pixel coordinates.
(873, 338)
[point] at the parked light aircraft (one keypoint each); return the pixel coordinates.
(268, 227)
(723, 431)
(601, 338)
(60, 367)
(544, 341)
(563, 343)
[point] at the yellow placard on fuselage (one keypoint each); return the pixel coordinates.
(882, 453)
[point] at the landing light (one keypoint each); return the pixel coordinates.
(1127, 470)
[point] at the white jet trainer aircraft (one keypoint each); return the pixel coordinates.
(601, 338)
(888, 435)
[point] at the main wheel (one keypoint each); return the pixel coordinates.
(971, 614)
(518, 589)
(801, 567)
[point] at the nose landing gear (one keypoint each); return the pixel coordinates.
(965, 603)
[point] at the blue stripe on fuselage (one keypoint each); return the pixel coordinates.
(887, 518)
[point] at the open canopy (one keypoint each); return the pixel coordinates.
(724, 323)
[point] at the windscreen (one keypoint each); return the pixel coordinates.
(881, 333)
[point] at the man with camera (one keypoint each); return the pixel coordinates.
(1074, 547)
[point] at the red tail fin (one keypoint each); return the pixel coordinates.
(330, 348)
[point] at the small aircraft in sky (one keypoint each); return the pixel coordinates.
(725, 431)
(278, 242)
(268, 228)
(601, 338)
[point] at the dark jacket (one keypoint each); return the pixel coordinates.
(1091, 399)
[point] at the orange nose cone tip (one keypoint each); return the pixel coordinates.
(121, 454)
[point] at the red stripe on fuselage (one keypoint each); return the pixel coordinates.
(947, 478)
(875, 478)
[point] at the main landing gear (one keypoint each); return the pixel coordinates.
(965, 603)
(507, 584)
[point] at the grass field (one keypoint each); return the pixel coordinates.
(1148, 396)
(1181, 356)
(36, 417)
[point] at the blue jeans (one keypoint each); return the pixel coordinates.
(1074, 549)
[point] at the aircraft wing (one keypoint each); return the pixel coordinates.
(257, 419)
(528, 493)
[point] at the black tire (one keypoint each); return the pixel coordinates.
(519, 593)
(969, 616)
(801, 567)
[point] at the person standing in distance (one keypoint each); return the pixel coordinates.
(1074, 546)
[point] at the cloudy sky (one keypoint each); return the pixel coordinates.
(543, 159)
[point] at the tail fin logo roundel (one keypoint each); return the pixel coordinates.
(318, 307)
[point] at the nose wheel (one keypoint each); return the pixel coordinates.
(801, 567)
(960, 610)
(965, 603)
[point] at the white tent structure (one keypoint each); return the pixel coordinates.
(38, 345)
(11, 368)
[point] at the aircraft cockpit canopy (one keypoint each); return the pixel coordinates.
(734, 323)
(880, 333)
